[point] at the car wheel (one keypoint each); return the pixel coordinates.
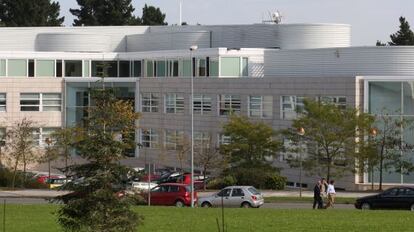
(246, 205)
(365, 206)
(179, 204)
(412, 208)
(206, 205)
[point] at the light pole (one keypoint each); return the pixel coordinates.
(142, 145)
(192, 49)
(301, 132)
(48, 141)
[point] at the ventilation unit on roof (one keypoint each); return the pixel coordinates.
(273, 18)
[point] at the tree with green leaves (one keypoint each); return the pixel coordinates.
(29, 13)
(63, 140)
(391, 146)
(251, 151)
(403, 37)
(93, 204)
(329, 134)
(152, 16)
(104, 13)
(21, 146)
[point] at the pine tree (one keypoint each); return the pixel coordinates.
(29, 13)
(404, 36)
(104, 13)
(152, 16)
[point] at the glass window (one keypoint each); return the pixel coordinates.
(149, 68)
(86, 71)
(260, 106)
(2, 68)
(338, 101)
(17, 68)
(149, 138)
(3, 102)
(237, 192)
(45, 68)
(30, 102)
(214, 67)
(385, 95)
(245, 66)
(230, 66)
(124, 68)
(31, 68)
(173, 68)
(224, 193)
(173, 138)
(104, 68)
(202, 140)
(291, 106)
(174, 103)
(36, 136)
(2, 137)
(391, 192)
(51, 102)
(161, 66)
(59, 68)
(229, 104)
(186, 67)
(223, 139)
(407, 192)
(202, 67)
(150, 102)
(73, 68)
(137, 68)
(202, 104)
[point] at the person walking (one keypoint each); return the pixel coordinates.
(317, 199)
(331, 194)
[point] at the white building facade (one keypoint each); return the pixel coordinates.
(261, 71)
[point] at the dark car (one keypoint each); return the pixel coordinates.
(394, 198)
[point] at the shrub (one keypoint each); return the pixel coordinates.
(221, 182)
(6, 177)
(275, 182)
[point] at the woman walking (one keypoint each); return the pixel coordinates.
(331, 194)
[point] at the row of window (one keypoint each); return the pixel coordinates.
(35, 102)
(176, 139)
(39, 135)
(258, 106)
(199, 67)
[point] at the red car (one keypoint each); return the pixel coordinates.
(172, 194)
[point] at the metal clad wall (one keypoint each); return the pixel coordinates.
(341, 62)
(303, 36)
(167, 41)
(24, 39)
(70, 42)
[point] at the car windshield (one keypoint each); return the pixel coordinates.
(253, 191)
(188, 188)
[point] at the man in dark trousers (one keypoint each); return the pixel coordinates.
(317, 199)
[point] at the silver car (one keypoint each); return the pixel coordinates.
(234, 196)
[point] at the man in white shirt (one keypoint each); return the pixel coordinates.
(331, 194)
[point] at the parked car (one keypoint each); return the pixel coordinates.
(143, 186)
(234, 196)
(171, 194)
(56, 182)
(43, 179)
(394, 198)
(183, 179)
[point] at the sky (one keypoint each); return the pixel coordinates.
(371, 20)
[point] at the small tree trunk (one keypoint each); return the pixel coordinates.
(24, 171)
(328, 176)
(204, 179)
(14, 174)
(381, 167)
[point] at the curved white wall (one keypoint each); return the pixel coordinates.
(306, 36)
(167, 41)
(72, 42)
(340, 62)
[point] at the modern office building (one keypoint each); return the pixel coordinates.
(262, 71)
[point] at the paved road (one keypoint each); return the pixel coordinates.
(31, 201)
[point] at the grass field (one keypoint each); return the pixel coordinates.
(40, 218)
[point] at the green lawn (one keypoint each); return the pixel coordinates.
(40, 218)
(338, 200)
